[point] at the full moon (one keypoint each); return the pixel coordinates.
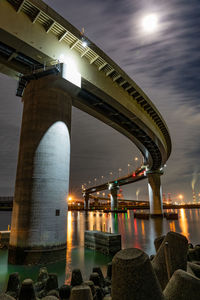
(150, 23)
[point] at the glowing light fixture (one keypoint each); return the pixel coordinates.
(84, 44)
(69, 70)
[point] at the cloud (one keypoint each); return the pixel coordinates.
(166, 64)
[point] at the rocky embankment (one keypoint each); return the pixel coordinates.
(173, 273)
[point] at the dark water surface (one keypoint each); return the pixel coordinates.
(135, 233)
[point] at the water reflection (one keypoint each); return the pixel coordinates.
(69, 247)
(184, 223)
(134, 233)
(172, 226)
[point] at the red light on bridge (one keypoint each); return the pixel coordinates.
(134, 174)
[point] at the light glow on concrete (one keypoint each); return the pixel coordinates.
(70, 71)
(51, 181)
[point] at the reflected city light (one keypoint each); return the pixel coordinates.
(69, 248)
(142, 226)
(135, 226)
(172, 226)
(183, 222)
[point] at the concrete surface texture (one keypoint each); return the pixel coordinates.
(40, 205)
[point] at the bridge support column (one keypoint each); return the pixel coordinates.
(155, 194)
(86, 201)
(39, 217)
(113, 197)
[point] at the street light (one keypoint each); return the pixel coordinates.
(128, 168)
(136, 160)
(180, 196)
(119, 171)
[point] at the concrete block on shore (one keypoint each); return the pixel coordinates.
(106, 243)
(171, 255)
(182, 286)
(133, 276)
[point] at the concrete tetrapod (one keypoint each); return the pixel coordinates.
(133, 277)
(91, 285)
(158, 241)
(6, 297)
(50, 298)
(65, 291)
(27, 291)
(182, 286)
(193, 269)
(171, 255)
(81, 292)
(13, 286)
(52, 282)
(77, 278)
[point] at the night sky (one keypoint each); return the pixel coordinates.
(164, 63)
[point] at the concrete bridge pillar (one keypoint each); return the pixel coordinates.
(39, 217)
(155, 193)
(86, 201)
(113, 197)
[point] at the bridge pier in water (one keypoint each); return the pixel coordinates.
(113, 197)
(39, 217)
(155, 193)
(86, 201)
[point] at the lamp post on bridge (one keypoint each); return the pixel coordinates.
(129, 168)
(111, 174)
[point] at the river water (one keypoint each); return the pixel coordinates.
(134, 232)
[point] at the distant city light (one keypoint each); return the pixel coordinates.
(180, 196)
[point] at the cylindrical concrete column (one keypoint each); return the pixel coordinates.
(113, 198)
(155, 193)
(39, 218)
(86, 201)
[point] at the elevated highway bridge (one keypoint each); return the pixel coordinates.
(34, 38)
